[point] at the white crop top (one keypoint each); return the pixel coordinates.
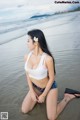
(37, 73)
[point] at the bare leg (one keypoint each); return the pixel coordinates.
(60, 107)
(54, 108)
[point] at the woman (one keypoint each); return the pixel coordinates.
(40, 72)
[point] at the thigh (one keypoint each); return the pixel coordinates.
(27, 103)
(51, 103)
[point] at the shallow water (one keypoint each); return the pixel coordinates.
(64, 42)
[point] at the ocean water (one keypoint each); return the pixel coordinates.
(62, 33)
(63, 37)
(15, 20)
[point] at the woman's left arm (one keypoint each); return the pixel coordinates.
(50, 67)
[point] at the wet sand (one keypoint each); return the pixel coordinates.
(13, 85)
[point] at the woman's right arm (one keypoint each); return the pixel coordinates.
(28, 79)
(34, 95)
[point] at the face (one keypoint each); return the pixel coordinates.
(30, 43)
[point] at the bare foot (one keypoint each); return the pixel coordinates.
(69, 97)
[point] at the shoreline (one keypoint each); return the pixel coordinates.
(62, 35)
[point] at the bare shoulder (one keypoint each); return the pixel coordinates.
(48, 60)
(26, 56)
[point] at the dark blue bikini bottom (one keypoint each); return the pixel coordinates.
(54, 85)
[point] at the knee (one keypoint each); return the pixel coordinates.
(23, 110)
(52, 117)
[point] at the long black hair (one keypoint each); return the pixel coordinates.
(42, 42)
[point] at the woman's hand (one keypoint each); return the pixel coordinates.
(41, 99)
(34, 95)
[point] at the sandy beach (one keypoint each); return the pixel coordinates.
(63, 37)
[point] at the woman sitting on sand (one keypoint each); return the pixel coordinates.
(40, 72)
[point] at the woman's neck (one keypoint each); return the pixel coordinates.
(37, 52)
